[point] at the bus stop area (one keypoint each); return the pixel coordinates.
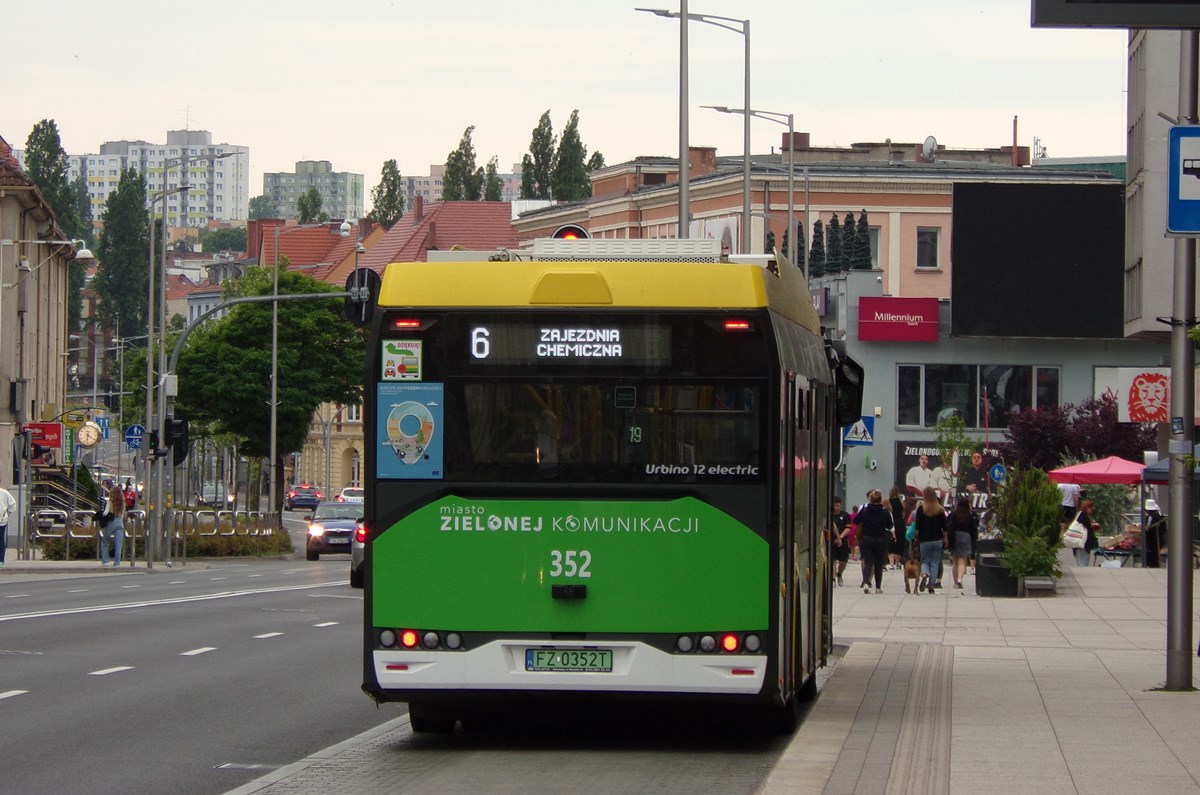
(949, 693)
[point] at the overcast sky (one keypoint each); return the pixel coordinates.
(358, 82)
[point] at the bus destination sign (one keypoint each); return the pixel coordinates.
(535, 343)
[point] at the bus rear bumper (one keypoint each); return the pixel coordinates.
(636, 667)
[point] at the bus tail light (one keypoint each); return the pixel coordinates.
(409, 638)
(753, 643)
(738, 325)
(730, 642)
(406, 323)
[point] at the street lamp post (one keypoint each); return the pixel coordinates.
(344, 231)
(743, 29)
(779, 118)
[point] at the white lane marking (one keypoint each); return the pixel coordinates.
(254, 575)
(127, 587)
(12, 693)
(107, 671)
(176, 582)
(326, 624)
(217, 579)
(200, 650)
(268, 635)
(17, 596)
(80, 590)
(173, 601)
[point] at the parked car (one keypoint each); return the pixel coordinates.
(350, 494)
(302, 495)
(358, 551)
(214, 495)
(330, 528)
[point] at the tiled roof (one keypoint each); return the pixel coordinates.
(10, 173)
(303, 246)
(476, 226)
(178, 286)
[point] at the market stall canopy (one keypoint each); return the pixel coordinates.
(1113, 469)
(1158, 474)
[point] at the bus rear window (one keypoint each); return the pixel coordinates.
(624, 430)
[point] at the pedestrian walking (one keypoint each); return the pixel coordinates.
(899, 543)
(931, 534)
(876, 530)
(964, 532)
(1083, 557)
(1156, 527)
(840, 531)
(8, 508)
(115, 529)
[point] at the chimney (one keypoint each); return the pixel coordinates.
(418, 208)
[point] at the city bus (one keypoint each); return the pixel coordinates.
(599, 475)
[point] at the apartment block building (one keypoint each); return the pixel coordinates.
(341, 192)
(219, 189)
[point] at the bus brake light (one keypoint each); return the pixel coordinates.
(409, 638)
(729, 642)
(406, 323)
(738, 325)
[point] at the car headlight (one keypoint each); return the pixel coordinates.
(316, 530)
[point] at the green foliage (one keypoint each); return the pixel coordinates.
(816, 255)
(262, 207)
(120, 280)
(1029, 504)
(46, 164)
(224, 371)
(1047, 437)
(569, 179)
(83, 209)
(492, 188)
(308, 207)
(834, 261)
(595, 162)
(950, 436)
(1111, 500)
(223, 238)
(860, 258)
(387, 198)
(463, 180)
(198, 546)
(538, 163)
(1030, 556)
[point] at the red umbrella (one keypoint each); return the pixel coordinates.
(1105, 470)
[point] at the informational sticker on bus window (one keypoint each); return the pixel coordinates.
(401, 360)
(409, 432)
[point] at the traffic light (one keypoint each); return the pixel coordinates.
(176, 431)
(155, 452)
(571, 232)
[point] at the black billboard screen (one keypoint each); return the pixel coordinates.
(1037, 260)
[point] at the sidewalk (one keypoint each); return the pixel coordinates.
(954, 693)
(43, 568)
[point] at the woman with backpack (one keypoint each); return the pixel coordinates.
(931, 535)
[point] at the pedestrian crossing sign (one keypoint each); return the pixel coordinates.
(860, 434)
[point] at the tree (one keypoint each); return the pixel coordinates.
(46, 164)
(861, 256)
(224, 372)
(569, 179)
(537, 165)
(816, 255)
(834, 261)
(308, 207)
(387, 198)
(223, 238)
(849, 240)
(595, 162)
(262, 207)
(83, 209)
(951, 437)
(463, 180)
(492, 188)
(1046, 438)
(120, 280)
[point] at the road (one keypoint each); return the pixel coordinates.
(192, 681)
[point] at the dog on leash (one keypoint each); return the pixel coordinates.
(912, 573)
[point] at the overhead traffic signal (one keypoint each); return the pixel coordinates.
(571, 232)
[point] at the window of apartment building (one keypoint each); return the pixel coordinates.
(353, 413)
(984, 395)
(873, 236)
(927, 248)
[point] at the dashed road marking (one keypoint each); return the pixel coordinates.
(80, 590)
(200, 650)
(11, 693)
(326, 624)
(217, 579)
(107, 671)
(126, 587)
(17, 596)
(268, 635)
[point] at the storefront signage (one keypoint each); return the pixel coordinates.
(885, 319)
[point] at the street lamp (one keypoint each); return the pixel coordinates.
(744, 30)
(344, 231)
(778, 118)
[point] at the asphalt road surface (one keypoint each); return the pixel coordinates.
(187, 681)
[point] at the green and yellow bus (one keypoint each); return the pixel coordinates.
(598, 474)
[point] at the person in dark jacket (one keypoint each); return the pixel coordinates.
(900, 544)
(1156, 528)
(932, 537)
(964, 532)
(877, 528)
